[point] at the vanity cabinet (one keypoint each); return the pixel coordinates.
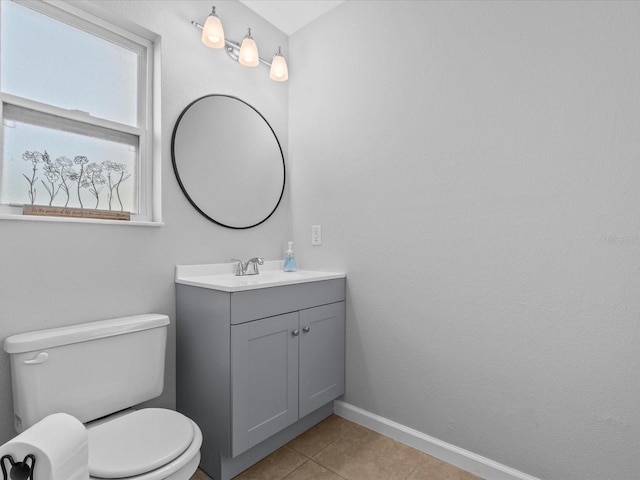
(283, 368)
(256, 368)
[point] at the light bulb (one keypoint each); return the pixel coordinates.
(212, 32)
(279, 71)
(249, 51)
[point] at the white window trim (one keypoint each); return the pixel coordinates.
(149, 121)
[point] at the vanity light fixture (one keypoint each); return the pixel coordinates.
(279, 71)
(212, 31)
(249, 51)
(246, 53)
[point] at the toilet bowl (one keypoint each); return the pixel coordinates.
(97, 372)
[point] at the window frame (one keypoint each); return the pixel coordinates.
(147, 45)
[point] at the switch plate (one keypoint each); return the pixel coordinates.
(316, 235)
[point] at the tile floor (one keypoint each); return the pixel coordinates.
(337, 449)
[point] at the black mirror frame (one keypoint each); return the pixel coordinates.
(184, 190)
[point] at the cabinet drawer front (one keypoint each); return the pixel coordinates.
(322, 356)
(265, 302)
(264, 379)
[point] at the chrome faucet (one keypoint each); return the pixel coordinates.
(242, 268)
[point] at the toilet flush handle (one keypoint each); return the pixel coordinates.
(39, 358)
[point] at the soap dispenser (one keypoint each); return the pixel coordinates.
(290, 260)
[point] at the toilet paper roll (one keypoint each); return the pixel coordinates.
(60, 445)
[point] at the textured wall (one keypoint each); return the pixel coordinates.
(474, 166)
(55, 274)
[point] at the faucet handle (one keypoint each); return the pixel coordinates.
(239, 267)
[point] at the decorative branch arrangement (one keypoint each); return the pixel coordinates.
(66, 178)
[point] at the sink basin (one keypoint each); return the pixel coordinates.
(221, 276)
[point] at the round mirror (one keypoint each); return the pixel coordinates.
(228, 161)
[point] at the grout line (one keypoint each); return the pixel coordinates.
(332, 442)
(326, 467)
(352, 425)
(295, 469)
(414, 468)
(331, 470)
(310, 457)
(320, 465)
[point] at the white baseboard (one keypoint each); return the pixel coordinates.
(469, 461)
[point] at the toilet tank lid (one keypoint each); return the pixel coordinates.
(54, 337)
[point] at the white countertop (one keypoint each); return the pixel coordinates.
(221, 276)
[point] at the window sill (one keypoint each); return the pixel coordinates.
(36, 218)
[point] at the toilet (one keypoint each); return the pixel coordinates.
(97, 372)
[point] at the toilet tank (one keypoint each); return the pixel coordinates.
(88, 370)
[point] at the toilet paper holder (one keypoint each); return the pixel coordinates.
(19, 470)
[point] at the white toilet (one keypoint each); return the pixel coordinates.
(96, 372)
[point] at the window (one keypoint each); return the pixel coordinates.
(77, 112)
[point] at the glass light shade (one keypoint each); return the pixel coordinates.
(212, 32)
(279, 71)
(249, 52)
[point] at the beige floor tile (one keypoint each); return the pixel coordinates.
(361, 454)
(433, 469)
(200, 475)
(312, 471)
(321, 435)
(274, 467)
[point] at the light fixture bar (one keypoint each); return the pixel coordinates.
(232, 48)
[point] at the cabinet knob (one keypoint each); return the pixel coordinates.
(306, 329)
(295, 333)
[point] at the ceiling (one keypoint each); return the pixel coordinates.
(291, 15)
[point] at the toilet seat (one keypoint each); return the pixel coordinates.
(138, 442)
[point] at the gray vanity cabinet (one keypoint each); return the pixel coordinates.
(321, 357)
(283, 368)
(256, 368)
(264, 379)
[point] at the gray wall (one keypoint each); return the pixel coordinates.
(57, 274)
(475, 170)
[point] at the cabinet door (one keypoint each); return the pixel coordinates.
(322, 338)
(264, 379)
